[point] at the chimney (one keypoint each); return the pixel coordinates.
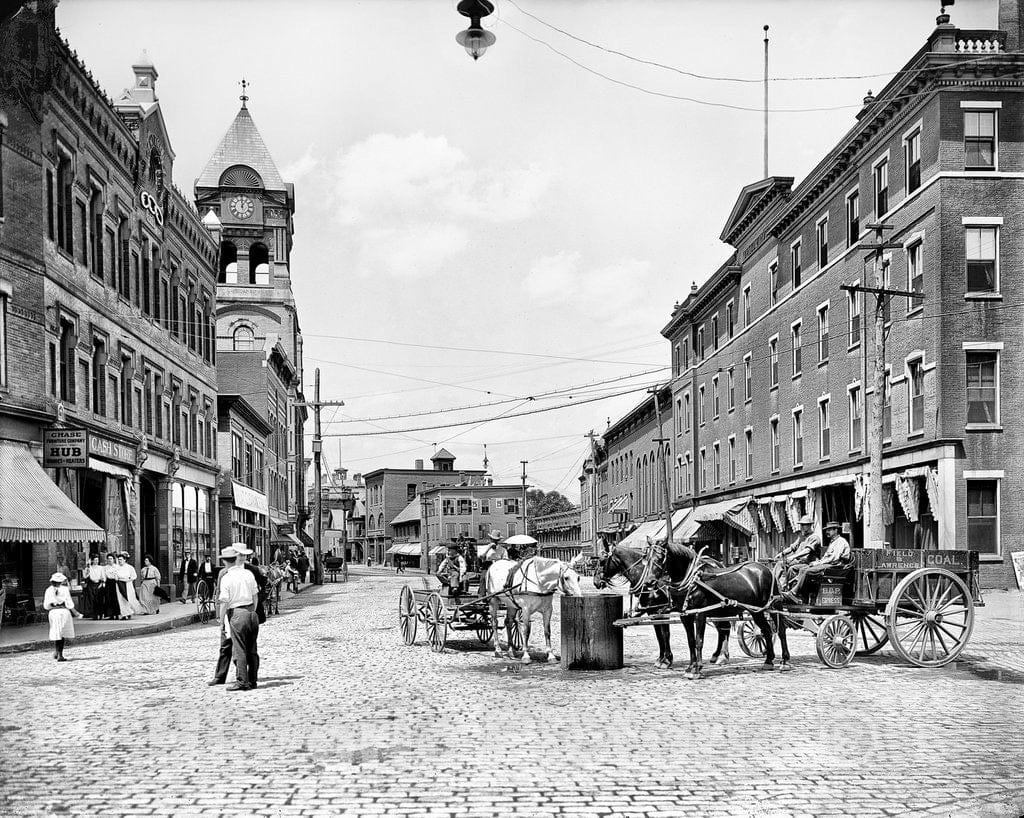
(419, 465)
(1012, 23)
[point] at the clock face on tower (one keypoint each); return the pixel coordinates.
(241, 207)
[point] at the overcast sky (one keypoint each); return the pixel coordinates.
(518, 204)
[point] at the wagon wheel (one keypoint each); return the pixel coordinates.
(872, 633)
(407, 615)
(204, 602)
(930, 617)
(750, 638)
(515, 642)
(836, 641)
(436, 618)
(484, 628)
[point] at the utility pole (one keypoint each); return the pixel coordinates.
(766, 102)
(593, 491)
(660, 440)
(524, 462)
(317, 404)
(876, 526)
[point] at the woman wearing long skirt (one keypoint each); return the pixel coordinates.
(93, 603)
(150, 580)
(60, 608)
(111, 608)
(127, 601)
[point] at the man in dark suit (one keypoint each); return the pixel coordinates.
(188, 570)
(207, 572)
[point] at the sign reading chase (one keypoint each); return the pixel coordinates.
(149, 202)
(111, 450)
(65, 448)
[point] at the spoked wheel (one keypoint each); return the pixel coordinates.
(204, 602)
(836, 641)
(750, 638)
(872, 634)
(930, 617)
(437, 623)
(407, 615)
(516, 633)
(484, 631)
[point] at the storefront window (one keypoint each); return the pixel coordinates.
(191, 520)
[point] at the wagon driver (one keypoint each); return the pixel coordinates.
(494, 551)
(797, 555)
(837, 553)
(452, 569)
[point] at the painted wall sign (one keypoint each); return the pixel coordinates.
(111, 450)
(896, 558)
(65, 448)
(953, 560)
(149, 202)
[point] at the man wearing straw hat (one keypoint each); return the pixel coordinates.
(837, 554)
(237, 595)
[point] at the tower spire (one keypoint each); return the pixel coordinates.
(244, 97)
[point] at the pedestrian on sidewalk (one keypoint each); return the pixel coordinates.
(127, 600)
(60, 608)
(303, 567)
(147, 589)
(207, 573)
(93, 602)
(238, 593)
(399, 565)
(111, 608)
(188, 569)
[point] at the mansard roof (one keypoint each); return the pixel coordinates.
(242, 145)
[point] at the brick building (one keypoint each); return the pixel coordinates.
(388, 491)
(243, 508)
(558, 534)
(107, 283)
(466, 512)
(248, 208)
(772, 359)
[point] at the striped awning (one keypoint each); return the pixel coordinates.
(32, 508)
(408, 549)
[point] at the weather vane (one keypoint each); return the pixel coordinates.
(245, 96)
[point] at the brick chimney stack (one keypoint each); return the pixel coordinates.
(1012, 23)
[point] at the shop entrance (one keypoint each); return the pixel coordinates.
(838, 505)
(93, 501)
(148, 530)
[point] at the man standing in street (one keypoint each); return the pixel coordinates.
(237, 597)
(207, 572)
(188, 570)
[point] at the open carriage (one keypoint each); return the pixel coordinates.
(449, 607)
(920, 602)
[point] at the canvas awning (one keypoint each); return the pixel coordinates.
(32, 508)
(834, 480)
(733, 513)
(655, 530)
(120, 472)
(249, 499)
(438, 549)
(408, 549)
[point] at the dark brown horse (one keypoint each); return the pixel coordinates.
(667, 589)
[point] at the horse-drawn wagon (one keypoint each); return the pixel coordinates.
(920, 601)
(444, 608)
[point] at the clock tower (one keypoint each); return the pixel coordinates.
(249, 207)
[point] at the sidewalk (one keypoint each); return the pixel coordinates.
(19, 638)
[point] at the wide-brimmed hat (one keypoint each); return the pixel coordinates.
(835, 525)
(229, 553)
(806, 520)
(494, 535)
(242, 548)
(58, 577)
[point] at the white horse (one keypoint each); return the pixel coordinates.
(527, 586)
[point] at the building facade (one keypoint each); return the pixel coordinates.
(243, 510)
(107, 285)
(467, 513)
(248, 208)
(772, 359)
(388, 491)
(558, 534)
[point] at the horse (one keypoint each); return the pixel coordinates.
(687, 582)
(526, 586)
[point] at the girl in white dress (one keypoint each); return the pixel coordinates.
(60, 609)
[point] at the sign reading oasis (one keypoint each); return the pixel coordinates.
(149, 202)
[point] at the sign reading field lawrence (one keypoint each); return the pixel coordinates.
(65, 448)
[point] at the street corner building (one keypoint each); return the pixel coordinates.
(107, 302)
(766, 416)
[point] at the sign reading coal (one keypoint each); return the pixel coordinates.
(65, 448)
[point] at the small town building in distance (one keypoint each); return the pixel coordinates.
(767, 414)
(557, 534)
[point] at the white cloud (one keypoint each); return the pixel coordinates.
(408, 204)
(300, 168)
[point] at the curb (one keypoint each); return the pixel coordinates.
(103, 636)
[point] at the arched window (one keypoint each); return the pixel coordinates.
(259, 264)
(228, 263)
(243, 339)
(156, 170)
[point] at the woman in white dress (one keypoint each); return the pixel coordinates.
(60, 608)
(150, 580)
(127, 601)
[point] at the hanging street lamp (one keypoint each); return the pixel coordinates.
(475, 39)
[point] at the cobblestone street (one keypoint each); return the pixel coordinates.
(349, 721)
